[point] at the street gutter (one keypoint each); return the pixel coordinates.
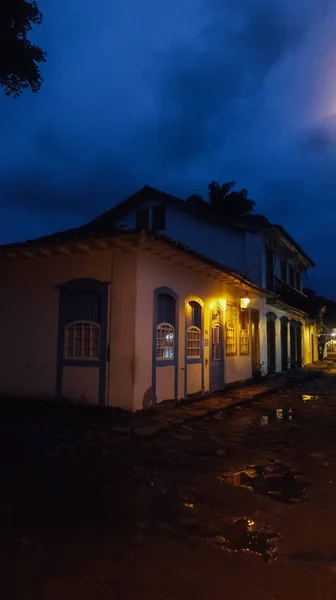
(155, 423)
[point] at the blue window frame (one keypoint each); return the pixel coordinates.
(165, 327)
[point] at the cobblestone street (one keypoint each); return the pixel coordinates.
(239, 502)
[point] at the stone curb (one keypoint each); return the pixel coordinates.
(192, 413)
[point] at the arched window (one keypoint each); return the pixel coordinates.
(165, 327)
(231, 327)
(244, 347)
(165, 334)
(194, 325)
(82, 340)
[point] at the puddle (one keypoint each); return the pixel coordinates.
(314, 556)
(243, 536)
(309, 398)
(275, 482)
(278, 415)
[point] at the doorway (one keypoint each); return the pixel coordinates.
(293, 344)
(217, 354)
(271, 344)
(284, 344)
(299, 345)
(255, 342)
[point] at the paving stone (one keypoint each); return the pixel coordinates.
(121, 429)
(147, 430)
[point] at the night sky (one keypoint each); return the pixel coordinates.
(175, 94)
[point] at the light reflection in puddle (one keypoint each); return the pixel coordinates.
(308, 397)
(275, 482)
(279, 415)
(243, 536)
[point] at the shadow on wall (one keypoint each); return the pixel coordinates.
(147, 399)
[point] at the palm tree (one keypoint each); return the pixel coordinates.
(227, 202)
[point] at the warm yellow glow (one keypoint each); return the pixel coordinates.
(219, 301)
(245, 302)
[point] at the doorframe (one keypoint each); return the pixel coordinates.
(192, 361)
(85, 284)
(299, 344)
(156, 363)
(284, 321)
(221, 324)
(255, 311)
(293, 344)
(271, 318)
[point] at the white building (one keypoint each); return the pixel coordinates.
(123, 320)
(153, 312)
(265, 253)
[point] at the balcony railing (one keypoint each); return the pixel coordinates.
(289, 295)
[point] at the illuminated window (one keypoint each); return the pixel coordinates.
(165, 327)
(165, 341)
(82, 340)
(243, 332)
(194, 342)
(231, 330)
(194, 324)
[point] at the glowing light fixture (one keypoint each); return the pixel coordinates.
(222, 302)
(245, 302)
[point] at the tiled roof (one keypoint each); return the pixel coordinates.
(152, 194)
(86, 233)
(204, 258)
(250, 222)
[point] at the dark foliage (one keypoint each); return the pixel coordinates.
(19, 58)
(321, 308)
(197, 201)
(227, 202)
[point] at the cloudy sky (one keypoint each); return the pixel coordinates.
(175, 94)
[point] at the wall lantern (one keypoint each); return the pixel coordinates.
(222, 302)
(245, 302)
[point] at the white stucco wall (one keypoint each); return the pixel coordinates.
(221, 243)
(154, 272)
(307, 330)
(29, 328)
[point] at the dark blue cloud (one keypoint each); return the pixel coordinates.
(175, 98)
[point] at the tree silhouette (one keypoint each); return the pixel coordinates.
(19, 58)
(227, 202)
(197, 201)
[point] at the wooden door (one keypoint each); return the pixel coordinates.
(284, 344)
(293, 344)
(217, 354)
(255, 342)
(271, 344)
(299, 345)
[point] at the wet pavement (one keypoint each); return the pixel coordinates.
(239, 502)
(275, 481)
